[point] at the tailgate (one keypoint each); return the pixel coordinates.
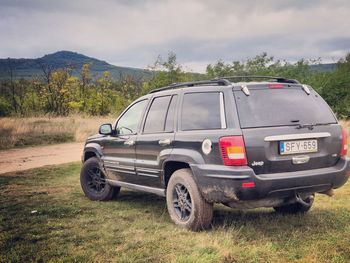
(263, 147)
(286, 129)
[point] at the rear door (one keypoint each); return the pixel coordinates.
(285, 129)
(156, 140)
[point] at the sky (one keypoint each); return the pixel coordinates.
(133, 33)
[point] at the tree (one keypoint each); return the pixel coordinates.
(165, 72)
(336, 89)
(12, 84)
(85, 79)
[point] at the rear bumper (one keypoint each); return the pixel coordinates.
(219, 183)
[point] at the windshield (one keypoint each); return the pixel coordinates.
(279, 107)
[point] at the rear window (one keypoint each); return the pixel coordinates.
(156, 116)
(279, 107)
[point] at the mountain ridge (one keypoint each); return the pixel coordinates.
(28, 68)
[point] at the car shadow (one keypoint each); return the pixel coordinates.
(263, 221)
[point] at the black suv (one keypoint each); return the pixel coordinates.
(268, 143)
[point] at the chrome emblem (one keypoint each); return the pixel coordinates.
(255, 163)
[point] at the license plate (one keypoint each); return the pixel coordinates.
(304, 146)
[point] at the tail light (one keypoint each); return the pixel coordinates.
(233, 151)
(344, 145)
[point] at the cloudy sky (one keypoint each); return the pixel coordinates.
(133, 33)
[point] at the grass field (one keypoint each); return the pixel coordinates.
(20, 132)
(67, 227)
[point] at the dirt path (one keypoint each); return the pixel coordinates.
(32, 157)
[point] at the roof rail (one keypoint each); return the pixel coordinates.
(219, 82)
(277, 79)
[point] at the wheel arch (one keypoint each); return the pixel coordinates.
(170, 166)
(179, 159)
(92, 150)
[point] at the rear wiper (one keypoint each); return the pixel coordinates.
(311, 126)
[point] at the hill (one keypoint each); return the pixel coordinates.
(29, 68)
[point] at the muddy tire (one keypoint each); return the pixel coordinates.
(186, 206)
(93, 182)
(296, 208)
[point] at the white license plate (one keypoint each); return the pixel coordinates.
(304, 146)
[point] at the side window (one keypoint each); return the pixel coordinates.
(156, 116)
(201, 111)
(169, 123)
(130, 120)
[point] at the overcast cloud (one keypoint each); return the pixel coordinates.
(133, 33)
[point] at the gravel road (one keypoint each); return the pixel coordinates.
(32, 157)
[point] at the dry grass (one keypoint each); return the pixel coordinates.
(17, 132)
(345, 124)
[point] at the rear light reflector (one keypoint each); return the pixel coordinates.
(233, 151)
(276, 86)
(248, 184)
(344, 144)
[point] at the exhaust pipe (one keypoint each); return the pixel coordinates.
(308, 203)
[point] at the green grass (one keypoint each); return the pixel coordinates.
(136, 227)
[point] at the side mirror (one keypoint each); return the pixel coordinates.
(106, 129)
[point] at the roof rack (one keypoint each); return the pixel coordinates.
(219, 82)
(277, 79)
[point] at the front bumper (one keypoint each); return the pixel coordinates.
(219, 183)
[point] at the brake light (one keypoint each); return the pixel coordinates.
(233, 151)
(276, 86)
(344, 144)
(248, 184)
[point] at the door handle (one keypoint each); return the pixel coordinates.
(129, 143)
(164, 142)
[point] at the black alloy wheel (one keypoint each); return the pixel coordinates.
(182, 202)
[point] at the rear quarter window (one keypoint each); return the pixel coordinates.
(201, 111)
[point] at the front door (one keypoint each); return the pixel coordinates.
(119, 150)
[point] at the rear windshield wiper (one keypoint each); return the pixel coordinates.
(311, 126)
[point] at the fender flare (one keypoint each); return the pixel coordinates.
(94, 148)
(187, 156)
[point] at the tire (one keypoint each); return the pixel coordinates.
(296, 208)
(93, 182)
(186, 206)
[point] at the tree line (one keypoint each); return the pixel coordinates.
(58, 92)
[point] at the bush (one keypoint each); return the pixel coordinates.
(5, 107)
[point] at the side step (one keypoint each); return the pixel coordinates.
(153, 190)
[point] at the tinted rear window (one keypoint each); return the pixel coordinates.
(279, 107)
(169, 123)
(201, 111)
(156, 115)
